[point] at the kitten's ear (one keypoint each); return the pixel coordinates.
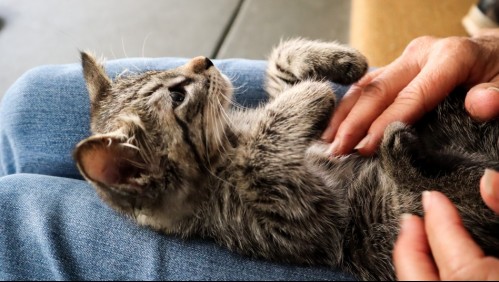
(95, 76)
(109, 161)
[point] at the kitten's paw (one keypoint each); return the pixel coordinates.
(397, 138)
(302, 111)
(300, 59)
(399, 146)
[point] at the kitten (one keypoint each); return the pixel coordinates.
(169, 152)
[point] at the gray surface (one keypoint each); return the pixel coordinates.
(34, 33)
(261, 24)
(52, 31)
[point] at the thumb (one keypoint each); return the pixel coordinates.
(482, 101)
(489, 188)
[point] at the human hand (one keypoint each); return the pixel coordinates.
(439, 248)
(414, 84)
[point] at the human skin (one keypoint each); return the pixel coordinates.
(415, 83)
(439, 247)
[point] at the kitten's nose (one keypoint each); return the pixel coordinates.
(199, 64)
(208, 63)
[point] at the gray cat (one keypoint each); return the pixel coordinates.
(169, 152)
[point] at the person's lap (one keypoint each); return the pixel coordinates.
(53, 225)
(57, 228)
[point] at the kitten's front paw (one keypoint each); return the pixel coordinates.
(301, 59)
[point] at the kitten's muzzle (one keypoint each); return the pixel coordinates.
(199, 64)
(208, 62)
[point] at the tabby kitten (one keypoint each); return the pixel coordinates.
(169, 152)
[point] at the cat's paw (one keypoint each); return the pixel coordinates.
(301, 59)
(398, 137)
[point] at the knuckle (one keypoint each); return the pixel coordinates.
(456, 45)
(368, 77)
(412, 99)
(377, 90)
(418, 43)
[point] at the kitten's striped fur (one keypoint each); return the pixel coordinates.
(168, 151)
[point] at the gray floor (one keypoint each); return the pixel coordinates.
(35, 33)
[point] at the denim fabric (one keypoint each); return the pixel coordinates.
(52, 224)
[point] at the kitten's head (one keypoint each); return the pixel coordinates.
(152, 137)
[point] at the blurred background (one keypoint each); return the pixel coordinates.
(34, 33)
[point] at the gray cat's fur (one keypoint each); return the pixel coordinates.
(169, 152)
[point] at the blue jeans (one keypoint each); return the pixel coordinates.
(53, 225)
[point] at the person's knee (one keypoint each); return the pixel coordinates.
(19, 181)
(32, 182)
(42, 116)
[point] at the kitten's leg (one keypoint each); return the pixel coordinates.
(295, 60)
(286, 202)
(300, 111)
(285, 129)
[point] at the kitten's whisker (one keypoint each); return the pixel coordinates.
(222, 108)
(228, 121)
(225, 115)
(233, 76)
(219, 137)
(220, 128)
(215, 122)
(126, 55)
(241, 89)
(144, 43)
(212, 125)
(234, 103)
(123, 47)
(220, 116)
(125, 68)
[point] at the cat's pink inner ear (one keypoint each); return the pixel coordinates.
(101, 163)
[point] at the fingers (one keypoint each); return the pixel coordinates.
(489, 188)
(367, 102)
(452, 247)
(402, 91)
(482, 101)
(412, 255)
(346, 105)
(440, 247)
(412, 85)
(422, 94)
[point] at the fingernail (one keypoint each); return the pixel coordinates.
(493, 88)
(334, 147)
(426, 200)
(363, 142)
(488, 183)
